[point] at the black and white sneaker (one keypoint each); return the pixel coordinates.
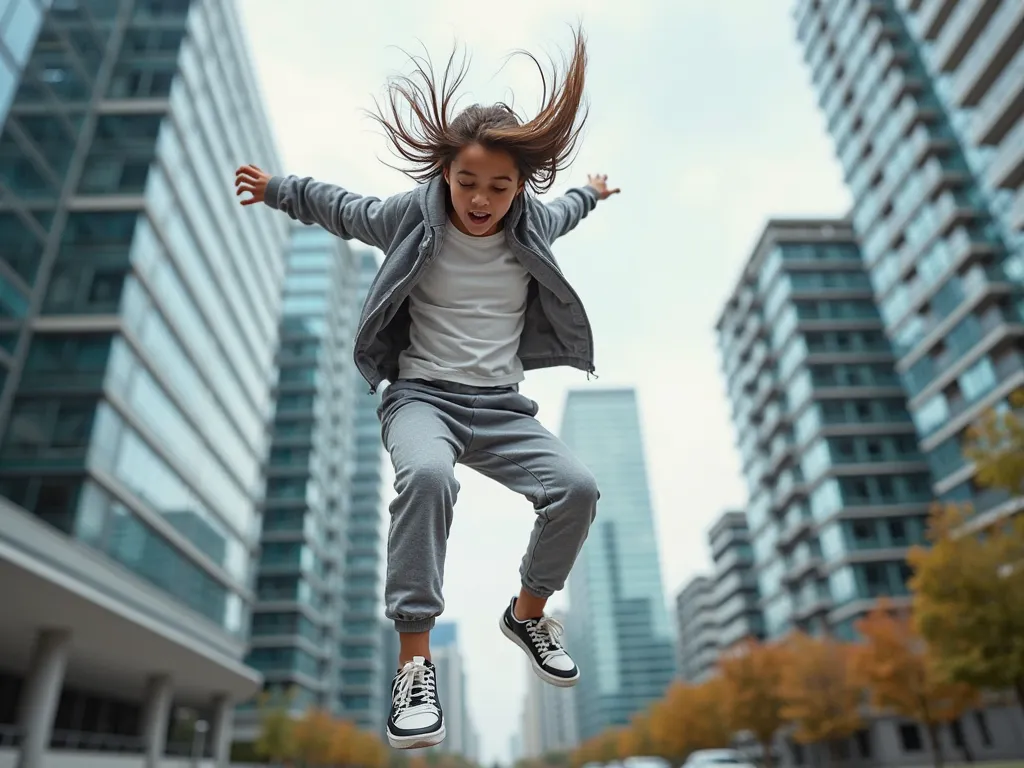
(416, 718)
(542, 640)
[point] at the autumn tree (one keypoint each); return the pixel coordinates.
(821, 690)
(752, 691)
(634, 738)
(314, 737)
(969, 599)
(996, 446)
(896, 664)
(276, 740)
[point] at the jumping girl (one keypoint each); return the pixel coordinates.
(469, 296)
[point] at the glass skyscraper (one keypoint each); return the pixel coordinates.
(838, 489)
(139, 327)
(365, 665)
(618, 625)
(315, 629)
(924, 102)
(297, 623)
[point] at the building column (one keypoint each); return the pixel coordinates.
(222, 727)
(41, 695)
(156, 715)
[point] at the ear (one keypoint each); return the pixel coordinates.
(446, 175)
(521, 187)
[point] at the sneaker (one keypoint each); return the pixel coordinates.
(416, 718)
(542, 640)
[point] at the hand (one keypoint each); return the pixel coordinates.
(600, 183)
(251, 179)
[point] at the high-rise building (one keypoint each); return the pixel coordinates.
(549, 715)
(450, 667)
(713, 614)
(366, 670)
(838, 490)
(20, 22)
(298, 621)
(924, 102)
(618, 624)
(138, 336)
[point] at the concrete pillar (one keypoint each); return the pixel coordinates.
(37, 707)
(155, 717)
(222, 728)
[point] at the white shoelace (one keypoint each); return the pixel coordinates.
(546, 635)
(415, 682)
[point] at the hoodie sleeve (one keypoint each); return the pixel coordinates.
(562, 214)
(342, 213)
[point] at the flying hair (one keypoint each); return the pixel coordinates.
(427, 137)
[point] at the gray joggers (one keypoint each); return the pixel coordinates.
(428, 428)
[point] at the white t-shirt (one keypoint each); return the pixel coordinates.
(467, 314)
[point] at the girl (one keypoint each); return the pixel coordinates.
(468, 298)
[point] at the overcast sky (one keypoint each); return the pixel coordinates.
(702, 111)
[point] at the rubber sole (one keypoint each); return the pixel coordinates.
(547, 677)
(417, 741)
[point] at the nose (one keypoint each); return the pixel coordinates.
(479, 200)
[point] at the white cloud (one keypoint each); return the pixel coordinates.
(702, 112)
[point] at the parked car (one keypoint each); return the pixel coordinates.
(713, 758)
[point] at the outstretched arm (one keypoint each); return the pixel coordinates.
(337, 210)
(562, 214)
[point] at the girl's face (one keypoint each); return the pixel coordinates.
(484, 182)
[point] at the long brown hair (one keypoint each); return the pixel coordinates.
(428, 138)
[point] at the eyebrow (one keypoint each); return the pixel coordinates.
(496, 178)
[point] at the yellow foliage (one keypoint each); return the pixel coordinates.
(895, 663)
(820, 688)
(752, 689)
(969, 599)
(996, 445)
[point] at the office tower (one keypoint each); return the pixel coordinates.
(618, 625)
(449, 664)
(298, 621)
(923, 100)
(838, 489)
(139, 359)
(20, 22)
(549, 715)
(713, 614)
(365, 669)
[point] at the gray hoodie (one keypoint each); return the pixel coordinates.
(409, 229)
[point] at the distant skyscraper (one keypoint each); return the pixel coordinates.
(619, 627)
(924, 102)
(715, 613)
(138, 331)
(298, 621)
(549, 715)
(838, 489)
(365, 669)
(447, 658)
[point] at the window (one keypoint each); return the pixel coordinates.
(910, 737)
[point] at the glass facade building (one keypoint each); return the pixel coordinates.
(315, 629)
(365, 666)
(715, 613)
(297, 623)
(618, 623)
(838, 489)
(140, 302)
(923, 99)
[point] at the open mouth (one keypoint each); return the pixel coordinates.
(478, 218)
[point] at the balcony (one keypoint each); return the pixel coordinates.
(1006, 169)
(990, 54)
(961, 30)
(932, 15)
(1002, 106)
(961, 411)
(1017, 212)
